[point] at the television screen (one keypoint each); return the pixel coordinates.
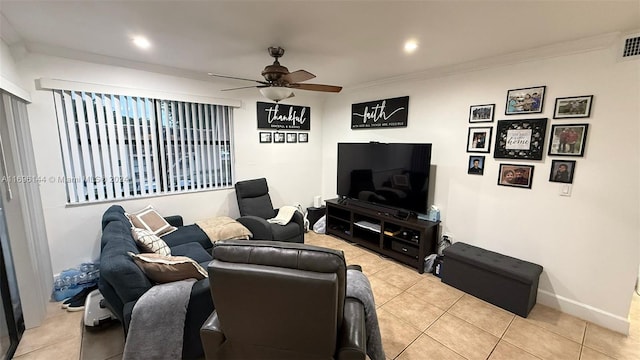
(394, 174)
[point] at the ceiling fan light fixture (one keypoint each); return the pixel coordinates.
(276, 93)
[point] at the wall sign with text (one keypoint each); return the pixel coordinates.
(385, 113)
(280, 116)
(520, 139)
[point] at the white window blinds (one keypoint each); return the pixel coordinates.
(116, 146)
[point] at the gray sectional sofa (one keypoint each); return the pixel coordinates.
(122, 282)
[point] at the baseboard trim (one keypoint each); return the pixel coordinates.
(584, 311)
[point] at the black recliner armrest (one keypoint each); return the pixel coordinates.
(211, 336)
(259, 227)
(353, 336)
(174, 220)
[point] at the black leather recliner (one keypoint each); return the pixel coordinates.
(255, 207)
(283, 301)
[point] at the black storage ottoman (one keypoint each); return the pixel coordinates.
(504, 281)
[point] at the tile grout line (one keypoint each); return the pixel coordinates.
(557, 333)
(514, 345)
(518, 347)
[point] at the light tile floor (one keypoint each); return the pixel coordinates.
(420, 318)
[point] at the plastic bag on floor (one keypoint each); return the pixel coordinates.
(320, 226)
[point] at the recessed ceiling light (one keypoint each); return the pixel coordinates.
(410, 46)
(141, 42)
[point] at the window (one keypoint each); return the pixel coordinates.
(116, 146)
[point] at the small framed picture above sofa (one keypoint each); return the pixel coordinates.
(292, 137)
(265, 137)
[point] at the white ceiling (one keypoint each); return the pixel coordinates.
(343, 42)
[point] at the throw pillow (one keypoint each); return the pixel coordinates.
(224, 228)
(148, 218)
(150, 242)
(164, 269)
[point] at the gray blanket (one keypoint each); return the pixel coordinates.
(157, 322)
(358, 287)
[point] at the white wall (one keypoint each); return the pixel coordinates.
(10, 79)
(74, 232)
(587, 243)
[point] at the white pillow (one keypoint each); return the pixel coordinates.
(150, 242)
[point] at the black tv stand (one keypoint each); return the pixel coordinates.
(408, 240)
(381, 209)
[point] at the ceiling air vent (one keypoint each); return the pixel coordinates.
(631, 48)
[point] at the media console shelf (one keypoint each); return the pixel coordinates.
(407, 241)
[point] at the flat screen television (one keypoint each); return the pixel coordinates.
(390, 174)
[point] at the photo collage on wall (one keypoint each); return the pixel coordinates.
(283, 137)
(285, 121)
(525, 138)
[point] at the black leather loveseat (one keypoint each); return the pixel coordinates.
(122, 282)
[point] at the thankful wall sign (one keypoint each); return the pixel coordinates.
(385, 113)
(280, 116)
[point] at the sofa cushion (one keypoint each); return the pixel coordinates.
(285, 232)
(192, 250)
(164, 269)
(148, 218)
(150, 242)
(187, 234)
(223, 228)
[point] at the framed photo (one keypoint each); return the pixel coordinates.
(568, 140)
(303, 137)
(278, 137)
(562, 171)
(573, 107)
(525, 101)
(481, 113)
(520, 139)
(292, 137)
(265, 137)
(476, 165)
(479, 139)
(515, 175)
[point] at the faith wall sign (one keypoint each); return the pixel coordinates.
(280, 116)
(385, 113)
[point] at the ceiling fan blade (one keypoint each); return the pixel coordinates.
(317, 87)
(246, 87)
(238, 78)
(298, 76)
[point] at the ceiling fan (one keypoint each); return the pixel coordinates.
(279, 83)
